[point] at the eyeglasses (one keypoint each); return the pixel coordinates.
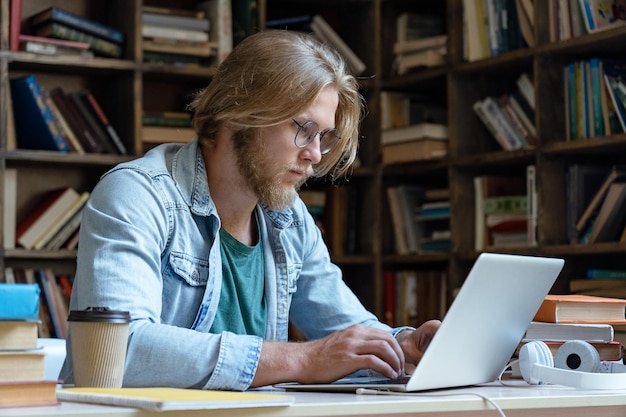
(307, 132)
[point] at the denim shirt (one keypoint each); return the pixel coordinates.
(149, 244)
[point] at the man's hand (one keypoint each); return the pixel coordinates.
(415, 342)
(330, 358)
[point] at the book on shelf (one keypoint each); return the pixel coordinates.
(414, 150)
(45, 215)
(174, 11)
(91, 122)
(407, 61)
(420, 44)
(18, 334)
(103, 121)
(400, 109)
(9, 212)
(198, 21)
(66, 231)
(34, 122)
(62, 124)
(98, 45)
(538, 330)
(173, 33)
(75, 121)
(168, 399)
(606, 273)
(53, 298)
(495, 187)
(52, 46)
(15, 23)
(412, 26)
(90, 26)
(414, 132)
(163, 134)
(54, 229)
(19, 301)
(326, 33)
(22, 365)
(613, 72)
(577, 308)
(166, 118)
(585, 221)
(166, 46)
(611, 219)
(598, 15)
(581, 183)
(500, 124)
(403, 202)
(28, 393)
(219, 13)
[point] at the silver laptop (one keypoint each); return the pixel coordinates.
(480, 331)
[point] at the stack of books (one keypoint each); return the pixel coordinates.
(412, 128)
(22, 365)
(166, 126)
(54, 221)
(176, 36)
(59, 121)
(421, 42)
(103, 40)
(510, 117)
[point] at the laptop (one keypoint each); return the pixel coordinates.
(480, 331)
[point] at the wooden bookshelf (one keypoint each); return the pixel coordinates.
(127, 86)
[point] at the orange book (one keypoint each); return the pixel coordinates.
(578, 308)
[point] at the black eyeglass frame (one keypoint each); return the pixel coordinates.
(325, 145)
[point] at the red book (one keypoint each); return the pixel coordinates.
(15, 24)
(44, 216)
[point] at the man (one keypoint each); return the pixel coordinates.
(209, 248)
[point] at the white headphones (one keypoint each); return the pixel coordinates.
(575, 364)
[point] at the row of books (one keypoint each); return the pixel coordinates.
(510, 118)
(54, 22)
(317, 25)
(412, 128)
(420, 218)
(494, 27)
(414, 296)
(505, 210)
(54, 221)
(176, 36)
(22, 364)
(596, 202)
(595, 98)
(53, 301)
(59, 121)
(571, 18)
(420, 42)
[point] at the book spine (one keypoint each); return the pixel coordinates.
(92, 123)
(507, 204)
(69, 111)
(15, 24)
(150, 31)
(491, 125)
(49, 137)
(104, 122)
(99, 45)
(164, 20)
(87, 25)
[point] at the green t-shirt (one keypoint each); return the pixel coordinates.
(242, 308)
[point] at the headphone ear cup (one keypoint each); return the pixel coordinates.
(532, 353)
(577, 355)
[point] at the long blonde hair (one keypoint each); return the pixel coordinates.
(273, 75)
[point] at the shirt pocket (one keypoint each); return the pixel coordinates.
(194, 271)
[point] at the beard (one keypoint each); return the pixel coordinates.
(262, 175)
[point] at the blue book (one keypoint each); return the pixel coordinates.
(19, 301)
(54, 14)
(34, 122)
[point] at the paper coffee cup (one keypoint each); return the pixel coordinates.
(98, 338)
